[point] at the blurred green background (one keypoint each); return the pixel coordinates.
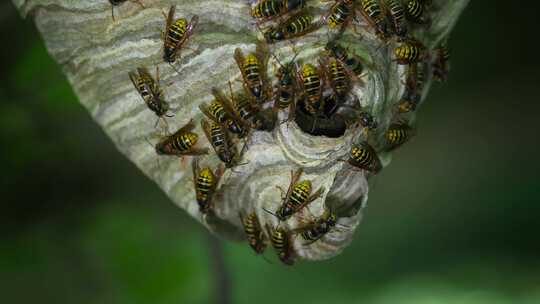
(454, 219)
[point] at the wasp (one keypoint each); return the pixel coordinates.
(415, 11)
(205, 182)
(413, 89)
(223, 113)
(316, 229)
(298, 196)
(440, 65)
(397, 134)
(181, 143)
(150, 91)
(220, 140)
(367, 121)
(361, 118)
(266, 10)
(254, 232)
(364, 157)
(340, 14)
(177, 33)
(373, 13)
(309, 79)
(253, 70)
(118, 2)
(409, 52)
(396, 14)
(351, 61)
(246, 113)
(285, 94)
(282, 243)
(337, 76)
(297, 25)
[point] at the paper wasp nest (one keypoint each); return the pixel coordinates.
(97, 53)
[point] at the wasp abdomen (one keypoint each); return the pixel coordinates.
(300, 193)
(364, 157)
(185, 142)
(204, 185)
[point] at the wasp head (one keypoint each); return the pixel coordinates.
(286, 258)
(236, 128)
(257, 245)
(169, 55)
(227, 157)
(272, 35)
(284, 212)
(163, 148)
(366, 120)
(332, 220)
(205, 207)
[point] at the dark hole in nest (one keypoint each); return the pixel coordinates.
(325, 123)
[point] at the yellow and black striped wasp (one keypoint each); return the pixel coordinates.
(249, 114)
(181, 143)
(150, 91)
(205, 183)
(246, 112)
(440, 65)
(310, 80)
(336, 75)
(254, 232)
(397, 134)
(118, 2)
(222, 112)
(282, 242)
(177, 32)
(414, 85)
(351, 61)
(222, 143)
(295, 26)
(297, 197)
(396, 14)
(409, 52)
(285, 93)
(253, 68)
(363, 156)
(415, 10)
(266, 10)
(315, 229)
(373, 13)
(340, 14)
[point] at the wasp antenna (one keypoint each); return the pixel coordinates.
(270, 212)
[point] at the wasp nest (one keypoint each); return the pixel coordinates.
(97, 53)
